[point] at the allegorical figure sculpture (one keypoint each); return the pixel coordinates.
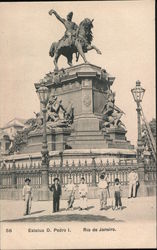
(77, 39)
(57, 115)
(52, 112)
(111, 113)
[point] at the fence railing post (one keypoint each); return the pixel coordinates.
(13, 176)
(141, 177)
(141, 171)
(93, 172)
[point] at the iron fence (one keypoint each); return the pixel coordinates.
(14, 175)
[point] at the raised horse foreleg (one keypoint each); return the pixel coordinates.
(90, 47)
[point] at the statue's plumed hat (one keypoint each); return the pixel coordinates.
(70, 14)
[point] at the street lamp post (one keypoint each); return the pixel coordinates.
(138, 93)
(43, 96)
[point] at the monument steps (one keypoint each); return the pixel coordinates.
(89, 136)
(88, 146)
(121, 145)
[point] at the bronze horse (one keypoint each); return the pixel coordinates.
(79, 43)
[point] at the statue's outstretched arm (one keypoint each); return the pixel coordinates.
(56, 14)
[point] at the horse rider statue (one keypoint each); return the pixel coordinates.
(77, 39)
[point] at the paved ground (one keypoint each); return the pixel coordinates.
(138, 209)
(134, 226)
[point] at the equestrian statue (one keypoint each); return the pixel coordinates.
(77, 39)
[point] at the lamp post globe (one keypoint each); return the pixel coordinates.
(138, 93)
(43, 93)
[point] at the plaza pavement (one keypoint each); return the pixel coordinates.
(134, 225)
(134, 209)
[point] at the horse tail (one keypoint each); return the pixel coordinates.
(52, 49)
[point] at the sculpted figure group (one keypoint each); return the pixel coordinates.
(111, 113)
(57, 115)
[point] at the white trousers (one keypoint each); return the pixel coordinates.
(103, 197)
(132, 189)
(83, 202)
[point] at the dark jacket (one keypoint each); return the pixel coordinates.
(56, 192)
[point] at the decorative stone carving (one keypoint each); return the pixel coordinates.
(87, 100)
(59, 75)
(54, 77)
(103, 74)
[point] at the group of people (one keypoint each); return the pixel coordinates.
(103, 189)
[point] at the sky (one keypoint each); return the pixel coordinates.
(124, 31)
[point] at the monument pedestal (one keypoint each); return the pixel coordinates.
(85, 87)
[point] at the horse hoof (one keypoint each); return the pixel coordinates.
(99, 52)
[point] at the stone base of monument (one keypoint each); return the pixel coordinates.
(56, 140)
(60, 139)
(118, 138)
(87, 135)
(86, 88)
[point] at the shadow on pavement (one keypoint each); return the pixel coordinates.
(123, 207)
(64, 218)
(88, 208)
(113, 208)
(37, 212)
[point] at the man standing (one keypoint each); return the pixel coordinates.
(103, 189)
(57, 191)
(83, 190)
(27, 196)
(133, 181)
(71, 188)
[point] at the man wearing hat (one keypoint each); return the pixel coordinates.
(83, 190)
(133, 181)
(27, 196)
(57, 191)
